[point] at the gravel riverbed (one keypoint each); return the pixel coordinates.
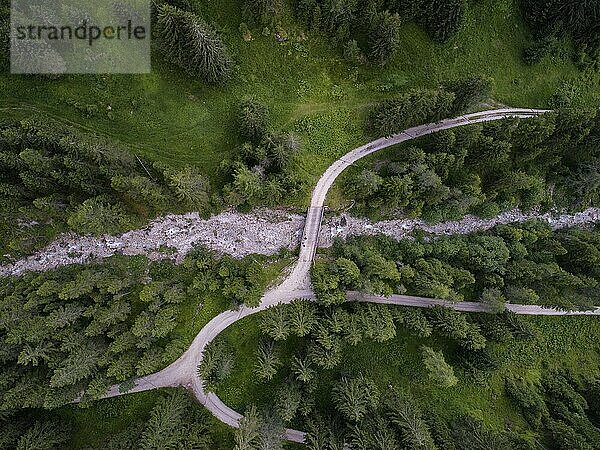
(263, 231)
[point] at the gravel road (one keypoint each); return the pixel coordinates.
(297, 285)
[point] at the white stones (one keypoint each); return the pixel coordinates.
(264, 231)
(399, 229)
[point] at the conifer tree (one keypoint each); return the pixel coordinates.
(192, 44)
(385, 37)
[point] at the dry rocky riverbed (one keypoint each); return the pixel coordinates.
(263, 231)
(344, 226)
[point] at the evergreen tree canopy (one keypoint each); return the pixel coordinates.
(192, 44)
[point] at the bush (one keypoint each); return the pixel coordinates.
(469, 91)
(253, 119)
(352, 52)
(444, 18)
(536, 51)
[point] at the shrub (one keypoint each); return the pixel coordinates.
(469, 91)
(253, 119)
(444, 18)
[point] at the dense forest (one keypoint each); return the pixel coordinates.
(521, 263)
(552, 161)
(302, 350)
(54, 178)
(73, 332)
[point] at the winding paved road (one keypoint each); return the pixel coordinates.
(183, 372)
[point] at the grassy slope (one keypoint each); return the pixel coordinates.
(562, 342)
(167, 116)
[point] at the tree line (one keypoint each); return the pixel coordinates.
(550, 161)
(370, 29)
(53, 179)
(420, 106)
(551, 21)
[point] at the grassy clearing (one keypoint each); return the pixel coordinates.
(568, 343)
(308, 87)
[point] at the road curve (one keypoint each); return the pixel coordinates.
(183, 372)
